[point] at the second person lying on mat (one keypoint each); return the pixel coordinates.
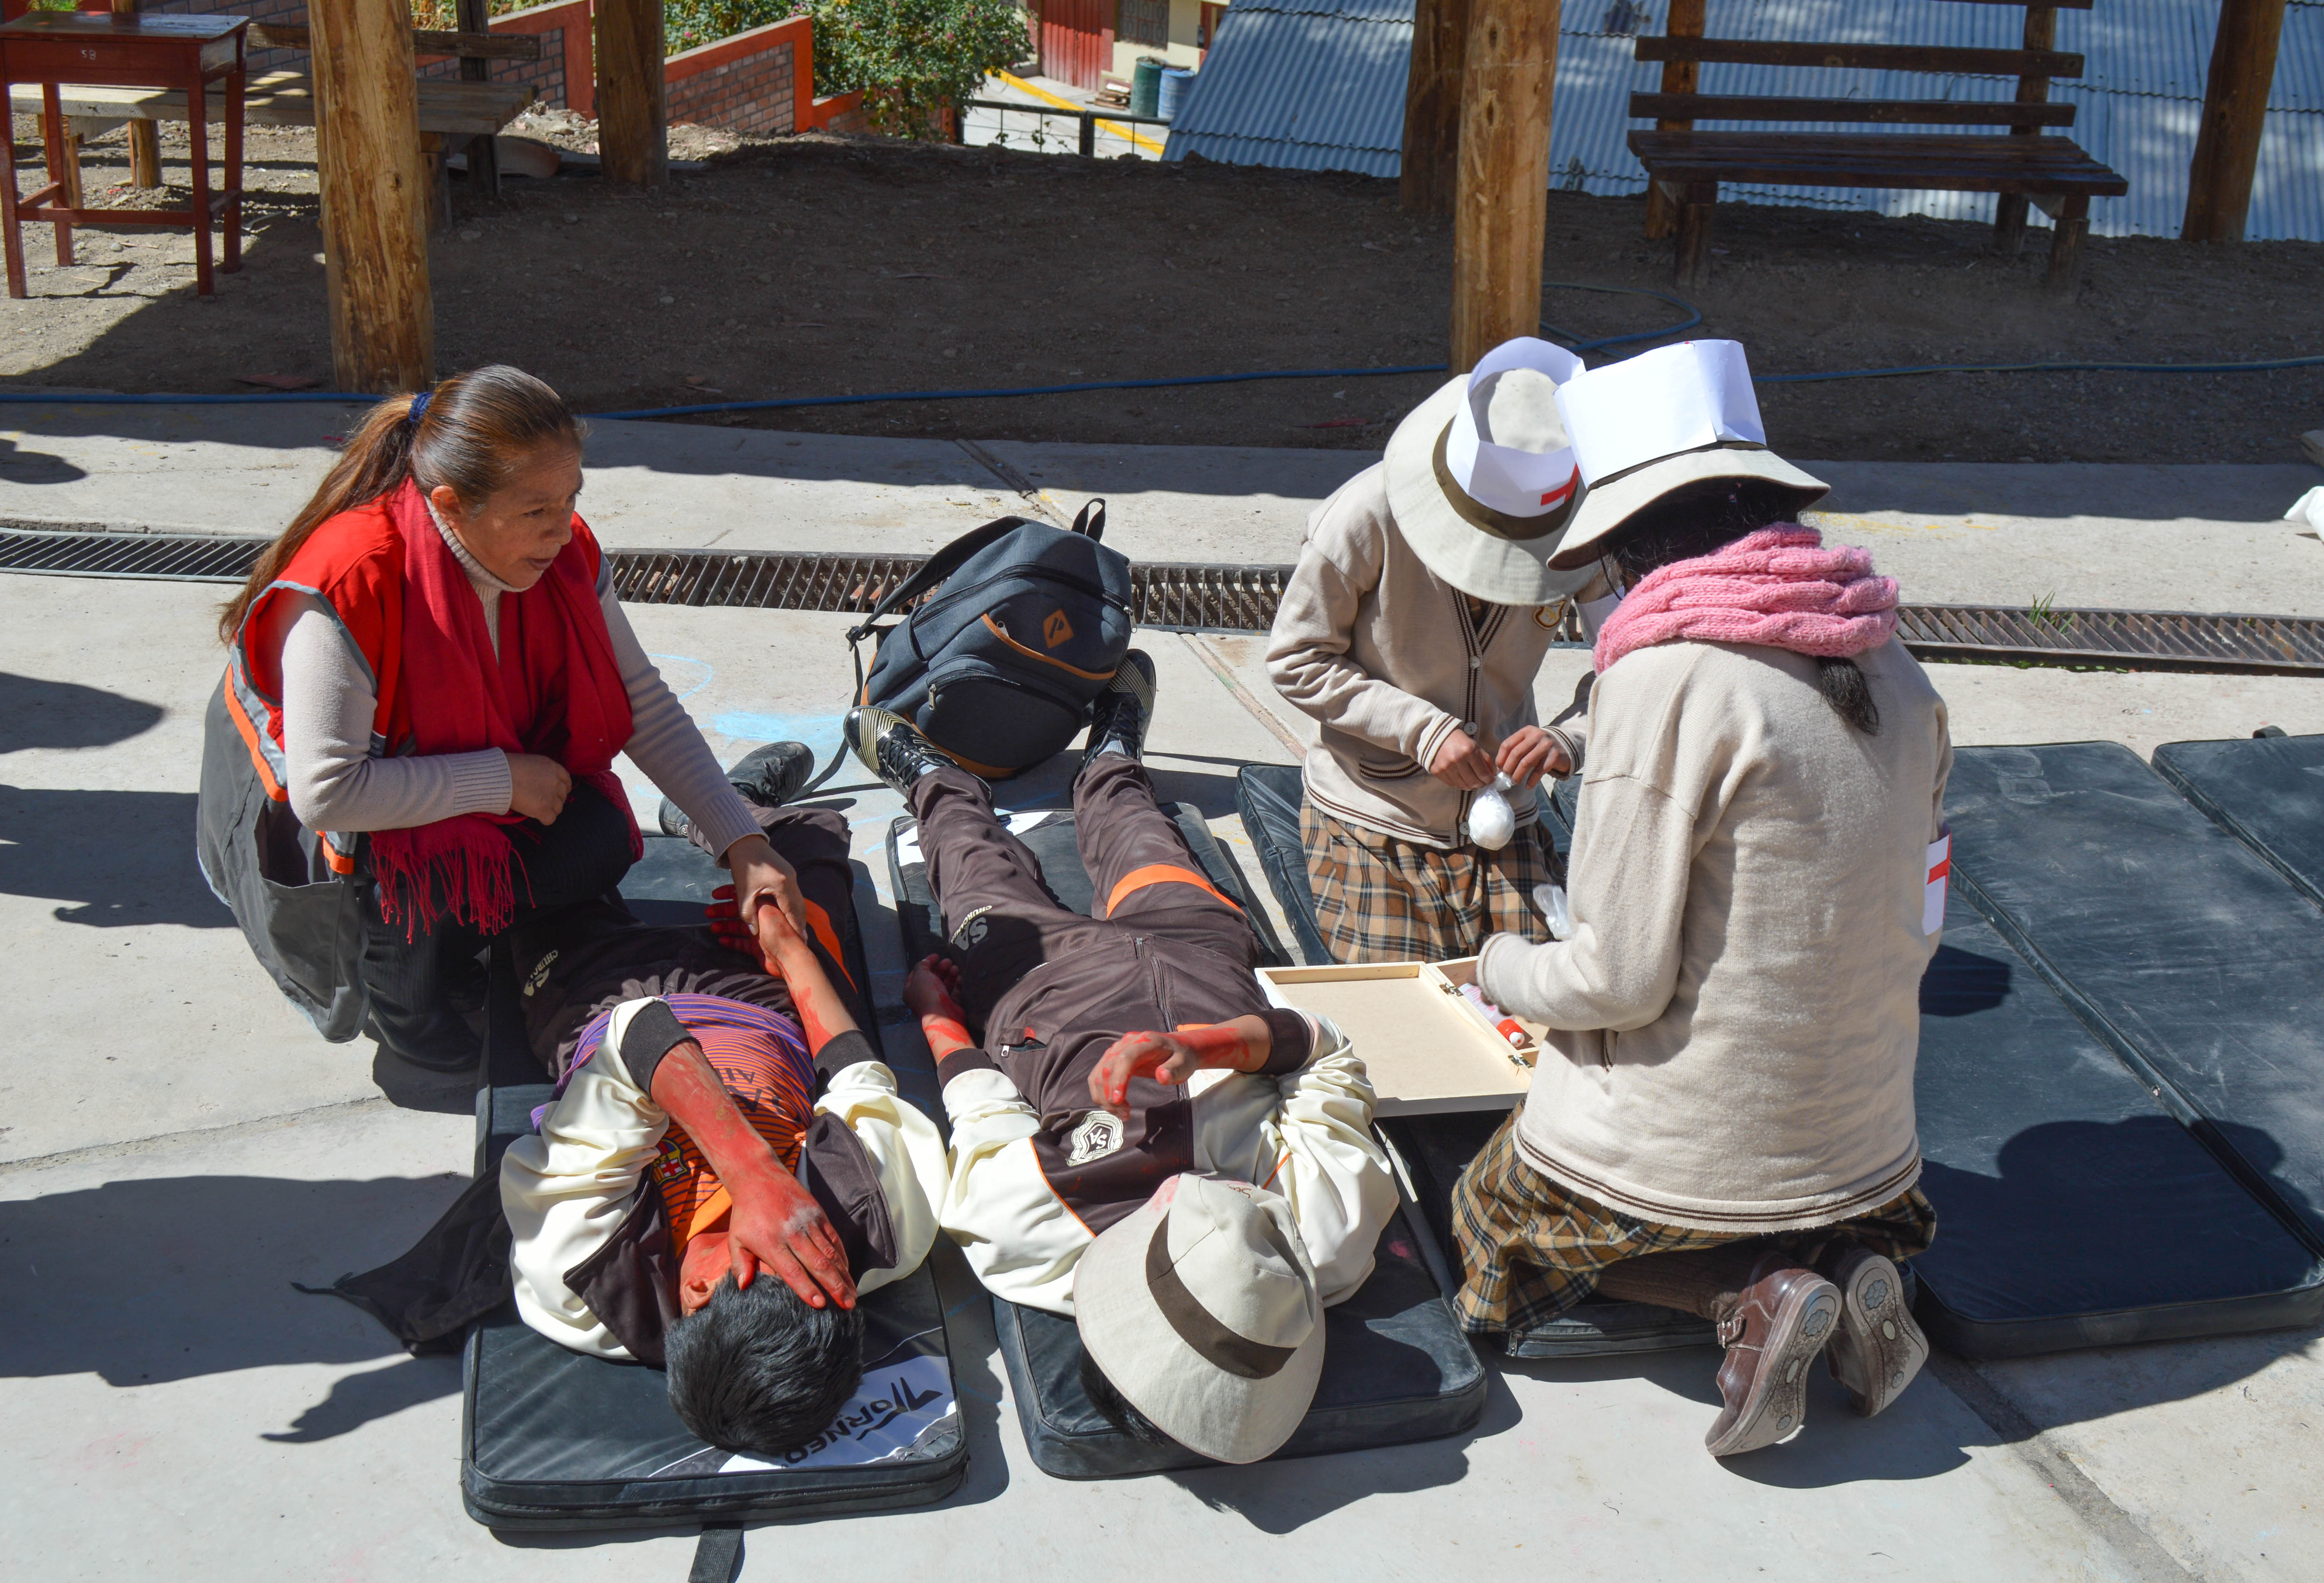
(1138, 1139)
(728, 1163)
(1412, 630)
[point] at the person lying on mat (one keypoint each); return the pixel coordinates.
(1724, 1122)
(727, 1165)
(1113, 1057)
(429, 666)
(1412, 629)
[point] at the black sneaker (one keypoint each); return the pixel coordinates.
(891, 748)
(766, 776)
(1122, 712)
(772, 775)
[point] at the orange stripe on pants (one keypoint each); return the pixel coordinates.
(827, 938)
(1159, 873)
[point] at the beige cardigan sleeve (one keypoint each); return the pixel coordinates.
(1307, 656)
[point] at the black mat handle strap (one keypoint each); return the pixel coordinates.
(718, 1556)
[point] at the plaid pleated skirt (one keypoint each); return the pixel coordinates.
(1378, 899)
(1530, 1249)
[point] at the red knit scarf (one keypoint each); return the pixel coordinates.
(554, 689)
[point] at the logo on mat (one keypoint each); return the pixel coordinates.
(1057, 629)
(1099, 1134)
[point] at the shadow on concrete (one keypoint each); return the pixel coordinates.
(36, 712)
(1282, 1497)
(19, 466)
(168, 1278)
(115, 857)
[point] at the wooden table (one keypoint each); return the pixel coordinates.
(183, 54)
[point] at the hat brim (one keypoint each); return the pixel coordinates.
(1604, 509)
(1206, 1409)
(1500, 571)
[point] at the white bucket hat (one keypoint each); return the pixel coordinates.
(1647, 425)
(1482, 478)
(1201, 1308)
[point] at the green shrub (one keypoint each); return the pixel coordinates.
(688, 24)
(913, 57)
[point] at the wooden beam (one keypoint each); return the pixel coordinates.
(144, 137)
(2009, 211)
(2235, 112)
(1866, 57)
(475, 18)
(633, 106)
(1680, 77)
(1503, 192)
(1432, 107)
(368, 167)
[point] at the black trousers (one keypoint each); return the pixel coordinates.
(412, 982)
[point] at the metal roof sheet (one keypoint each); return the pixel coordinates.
(1319, 85)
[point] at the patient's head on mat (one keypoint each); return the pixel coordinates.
(757, 1370)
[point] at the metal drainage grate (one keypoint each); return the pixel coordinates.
(2174, 640)
(1243, 599)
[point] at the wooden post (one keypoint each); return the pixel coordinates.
(368, 168)
(2235, 109)
(475, 16)
(633, 106)
(2009, 210)
(144, 137)
(1432, 107)
(1679, 77)
(1503, 195)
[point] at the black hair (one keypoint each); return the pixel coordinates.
(1118, 1410)
(1707, 514)
(757, 1370)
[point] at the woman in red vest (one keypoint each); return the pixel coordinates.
(430, 670)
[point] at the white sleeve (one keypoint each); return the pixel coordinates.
(566, 1189)
(904, 1145)
(666, 744)
(1328, 1165)
(1021, 1238)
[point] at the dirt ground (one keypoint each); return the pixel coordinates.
(825, 266)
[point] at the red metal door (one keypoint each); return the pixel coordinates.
(1076, 40)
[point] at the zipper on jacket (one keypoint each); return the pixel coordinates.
(1138, 943)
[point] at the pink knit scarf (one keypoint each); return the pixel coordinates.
(1779, 588)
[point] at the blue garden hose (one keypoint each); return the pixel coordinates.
(1694, 318)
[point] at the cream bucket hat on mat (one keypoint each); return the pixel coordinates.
(1201, 1308)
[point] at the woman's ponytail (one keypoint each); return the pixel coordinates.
(466, 433)
(376, 458)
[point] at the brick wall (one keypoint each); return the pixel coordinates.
(546, 75)
(737, 83)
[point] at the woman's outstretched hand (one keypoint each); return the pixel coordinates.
(538, 786)
(761, 874)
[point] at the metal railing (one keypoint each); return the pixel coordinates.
(1039, 141)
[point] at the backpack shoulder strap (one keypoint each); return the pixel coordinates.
(936, 568)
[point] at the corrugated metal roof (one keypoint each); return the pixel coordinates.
(1291, 83)
(2137, 104)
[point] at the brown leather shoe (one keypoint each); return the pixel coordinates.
(1879, 1349)
(1785, 1315)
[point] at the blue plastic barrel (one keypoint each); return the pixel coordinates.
(1176, 81)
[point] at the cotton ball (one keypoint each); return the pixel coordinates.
(1492, 820)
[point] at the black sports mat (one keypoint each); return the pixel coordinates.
(2266, 791)
(2182, 948)
(551, 1440)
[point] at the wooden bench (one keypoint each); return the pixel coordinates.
(1684, 167)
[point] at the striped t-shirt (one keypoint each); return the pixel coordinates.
(764, 1063)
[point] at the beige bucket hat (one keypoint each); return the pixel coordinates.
(1648, 424)
(1201, 1307)
(1482, 476)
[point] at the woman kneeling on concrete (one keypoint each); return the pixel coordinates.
(429, 669)
(1724, 1123)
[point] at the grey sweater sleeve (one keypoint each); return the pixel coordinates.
(336, 783)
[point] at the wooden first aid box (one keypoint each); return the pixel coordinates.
(1425, 1050)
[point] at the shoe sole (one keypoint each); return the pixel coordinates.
(1881, 1333)
(1777, 1402)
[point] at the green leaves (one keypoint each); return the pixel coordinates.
(913, 57)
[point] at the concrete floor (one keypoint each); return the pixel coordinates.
(178, 1146)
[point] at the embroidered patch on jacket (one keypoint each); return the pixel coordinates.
(1099, 1134)
(669, 1163)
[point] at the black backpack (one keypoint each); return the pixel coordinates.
(998, 666)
